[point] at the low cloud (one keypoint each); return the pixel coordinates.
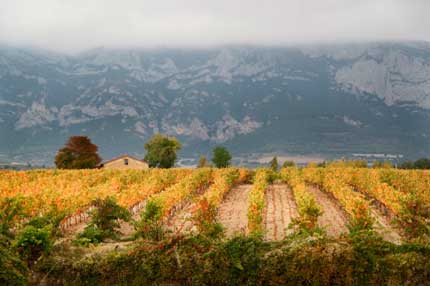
(76, 25)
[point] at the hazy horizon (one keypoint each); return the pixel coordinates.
(77, 26)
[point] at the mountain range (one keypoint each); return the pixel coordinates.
(329, 101)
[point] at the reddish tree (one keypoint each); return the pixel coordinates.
(79, 153)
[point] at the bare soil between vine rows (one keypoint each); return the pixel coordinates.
(232, 213)
(280, 210)
(333, 219)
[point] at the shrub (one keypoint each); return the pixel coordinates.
(414, 217)
(10, 213)
(104, 221)
(107, 214)
(240, 259)
(203, 162)
(150, 225)
(51, 219)
(362, 258)
(205, 219)
(12, 270)
(91, 235)
(31, 242)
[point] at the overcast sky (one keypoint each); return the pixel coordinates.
(74, 25)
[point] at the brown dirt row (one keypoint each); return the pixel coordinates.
(232, 213)
(280, 210)
(333, 219)
(383, 227)
(181, 221)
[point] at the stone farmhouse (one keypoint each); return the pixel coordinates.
(124, 162)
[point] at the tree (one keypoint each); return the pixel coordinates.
(274, 164)
(161, 151)
(422, 163)
(78, 153)
(288, 164)
(203, 162)
(221, 157)
(407, 165)
(382, 165)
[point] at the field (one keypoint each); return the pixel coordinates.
(333, 205)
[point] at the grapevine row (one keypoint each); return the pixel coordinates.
(368, 181)
(135, 195)
(256, 201)
(172, 197)
(72, 191)
(416, 182)
(355, 204)
(206, 208)
(308, 209)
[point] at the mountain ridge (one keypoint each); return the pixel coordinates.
(331, 100)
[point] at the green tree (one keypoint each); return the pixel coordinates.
(422, 163)
(274, 164)
(382, 165)
(221, 157)
(407, 165)
(79, 153)
(203, 162)
(161, 151)
(288, 164)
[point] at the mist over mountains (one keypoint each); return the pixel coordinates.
(328, 101)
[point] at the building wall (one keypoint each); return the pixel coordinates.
(132, 164)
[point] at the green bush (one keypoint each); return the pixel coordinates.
(52, 218)
(13, 270)
(104, 222)
(10, 213)
(31, 242)
(90, 235)
(205, 219)
(362, 258)
(150, 225)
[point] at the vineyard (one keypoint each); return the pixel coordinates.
(355, 197)
(334, 202)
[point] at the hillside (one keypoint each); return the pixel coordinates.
(329, 101)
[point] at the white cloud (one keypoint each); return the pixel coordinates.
(70, 25)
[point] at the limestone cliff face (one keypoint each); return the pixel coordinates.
(394, 76)
(261, 99)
